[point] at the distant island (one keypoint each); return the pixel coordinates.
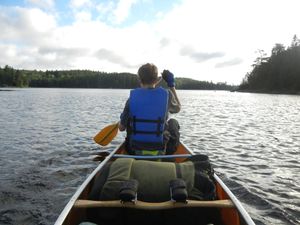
(279, 73)
(10, 77)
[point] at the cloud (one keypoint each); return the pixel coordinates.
(25, 25)
(32, 58)
(115, 13)
(105, 8)
(83, 16)
(232, 62)
(63, 52)
(122, 10)
(105, 54)
(164, 42)
(59, 57)
(81, 10)
(199, 56)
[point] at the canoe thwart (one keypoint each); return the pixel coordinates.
(144, 157)
(153, 205)
(152, 156)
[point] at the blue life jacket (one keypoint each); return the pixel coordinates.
(148, 113)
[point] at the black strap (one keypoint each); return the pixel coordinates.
(178, 171)
(147, 132)
(148, 121)
(134, 125)
(158, 131)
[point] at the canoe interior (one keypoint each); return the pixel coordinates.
(197, 216)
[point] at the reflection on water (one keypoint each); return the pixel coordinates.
(46, 147)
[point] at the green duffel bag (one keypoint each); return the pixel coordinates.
(154, 178)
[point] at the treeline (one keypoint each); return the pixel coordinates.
(190, 84)
(10, 77)
(279, 73)
(65, 79)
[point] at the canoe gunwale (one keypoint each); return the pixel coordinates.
(62, 217)
(235, 201)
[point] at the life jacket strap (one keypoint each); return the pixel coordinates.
(149, 146)
(158, 131)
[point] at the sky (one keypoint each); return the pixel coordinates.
(207, 40)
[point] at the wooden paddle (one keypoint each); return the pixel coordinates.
(107, 134)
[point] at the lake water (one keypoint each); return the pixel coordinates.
(46, 147)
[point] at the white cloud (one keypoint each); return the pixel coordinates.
(206, 40)
(105, 8)
(25, 26)
(40, 21)
(199, 56)
(81, 10)
(122, 10)
(110, 56)
(231, 62)
(82, 16)
(115, 12)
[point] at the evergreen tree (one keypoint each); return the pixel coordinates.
(278, 73)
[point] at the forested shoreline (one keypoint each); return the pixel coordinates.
(10, 77)
(279, 73)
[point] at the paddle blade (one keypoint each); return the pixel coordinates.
(106, 135)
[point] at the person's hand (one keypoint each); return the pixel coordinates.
(169, 78)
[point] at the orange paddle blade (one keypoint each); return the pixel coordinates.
(107, 134)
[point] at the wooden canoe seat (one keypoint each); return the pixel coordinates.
(153, 205)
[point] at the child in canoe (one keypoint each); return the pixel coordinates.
(145, 116)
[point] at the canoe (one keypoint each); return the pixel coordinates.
(226, 208)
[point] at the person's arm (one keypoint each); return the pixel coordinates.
(173, 104)
(173, 90)
(124, 117)
(169, 78)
